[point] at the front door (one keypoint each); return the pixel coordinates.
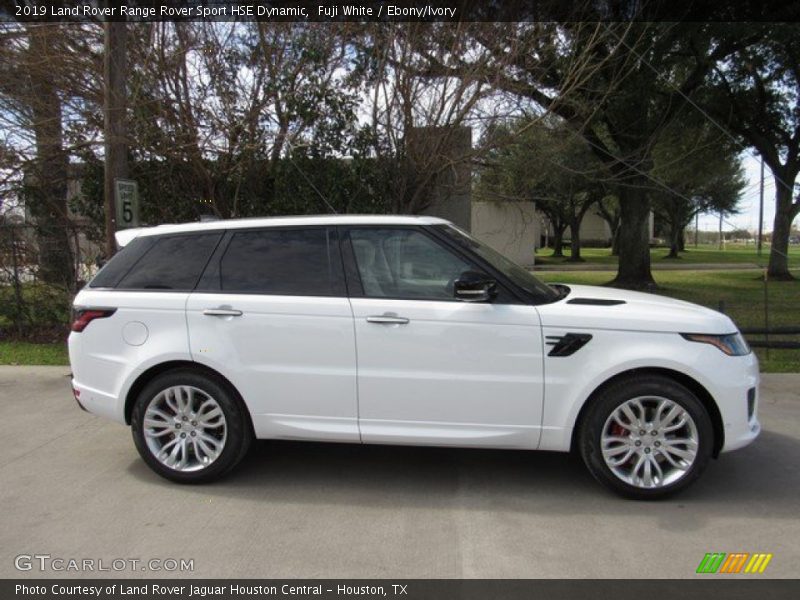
(433, 369)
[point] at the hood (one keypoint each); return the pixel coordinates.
(590, 307)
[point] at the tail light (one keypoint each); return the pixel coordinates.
(84, 316)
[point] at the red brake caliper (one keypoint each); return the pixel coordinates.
(618, 430)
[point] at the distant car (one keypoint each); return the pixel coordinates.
(398, 330)
(794, 240)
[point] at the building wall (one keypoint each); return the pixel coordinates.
(595, 229)
(511, 228)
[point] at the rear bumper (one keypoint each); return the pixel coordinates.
(97, 402)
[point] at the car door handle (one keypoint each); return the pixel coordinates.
(222, 312)
(387, 320)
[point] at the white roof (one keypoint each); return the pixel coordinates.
(126, 235)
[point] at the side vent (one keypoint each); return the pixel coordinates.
(568, 344)
(596, 301)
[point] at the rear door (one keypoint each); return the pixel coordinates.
(271, 313)
(433, 369)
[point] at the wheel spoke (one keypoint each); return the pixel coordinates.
(632, 418)
(686, 455)
(157, 434)
(677, 425)
(671, 415)
(659, 473)
(615, 462)
(623, 424)
(171, 401)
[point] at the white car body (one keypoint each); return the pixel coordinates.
(456, 374)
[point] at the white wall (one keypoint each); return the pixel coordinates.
(594, 228)
(511, 228)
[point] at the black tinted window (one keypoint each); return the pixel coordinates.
(173, 263)
(121, 262)
(291, 262)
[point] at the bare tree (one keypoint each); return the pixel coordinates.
(36, 108)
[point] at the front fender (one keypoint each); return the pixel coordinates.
(570, 381)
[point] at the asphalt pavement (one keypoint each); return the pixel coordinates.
(73, 487)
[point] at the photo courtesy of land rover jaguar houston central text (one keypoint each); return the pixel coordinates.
(398, 330)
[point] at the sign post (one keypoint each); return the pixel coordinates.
(126, 194)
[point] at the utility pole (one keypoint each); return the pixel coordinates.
(720, 230)
(761, 209)
(116, 148)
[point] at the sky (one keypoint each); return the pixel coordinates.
(748, 204)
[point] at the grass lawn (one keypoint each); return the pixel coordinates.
(27, 353)
(742, 295)
(733, 253)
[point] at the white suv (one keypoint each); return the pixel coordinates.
(398, 330)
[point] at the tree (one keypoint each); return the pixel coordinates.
(547, 163)
(755, 95)
(36, 160)
(619, 84)
(416, 118)
(221, 103)
(699, 171)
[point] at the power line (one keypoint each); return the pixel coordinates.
(308, 180)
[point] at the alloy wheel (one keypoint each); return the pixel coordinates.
(649, 442)
(185, 428)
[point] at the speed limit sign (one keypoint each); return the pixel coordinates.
(127, 201)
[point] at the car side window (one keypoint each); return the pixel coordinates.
(405, 263)
(171, 263)
(290, 262)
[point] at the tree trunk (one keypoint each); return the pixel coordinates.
(615, 242)
(634, 241)
(785, 212)
(575, 242)
(558, 241)
(47, 191)
(675, 237)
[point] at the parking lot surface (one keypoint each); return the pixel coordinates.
(73, 487)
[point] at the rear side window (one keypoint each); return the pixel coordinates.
(115, 269)
(172, 263)
(290, 262)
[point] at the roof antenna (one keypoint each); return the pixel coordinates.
(311, 183)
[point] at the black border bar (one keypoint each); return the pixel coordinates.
(400, 10)
(749, 587)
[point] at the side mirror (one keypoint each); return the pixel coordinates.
(472, 286)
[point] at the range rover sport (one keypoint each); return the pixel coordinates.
(398, 330)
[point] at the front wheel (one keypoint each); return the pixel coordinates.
(646, 437)
(188, 427)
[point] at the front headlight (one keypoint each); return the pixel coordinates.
(732, 344)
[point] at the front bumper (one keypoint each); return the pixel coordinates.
(739, 415)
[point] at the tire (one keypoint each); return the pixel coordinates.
(677, 454)
(195, 422)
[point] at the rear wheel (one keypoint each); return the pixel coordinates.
(646, 437)
(189, 427)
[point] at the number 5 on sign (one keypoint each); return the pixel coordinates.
(127, 201)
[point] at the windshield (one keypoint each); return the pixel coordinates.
(522, 277)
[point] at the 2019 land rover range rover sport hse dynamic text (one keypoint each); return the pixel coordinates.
(398, 330)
